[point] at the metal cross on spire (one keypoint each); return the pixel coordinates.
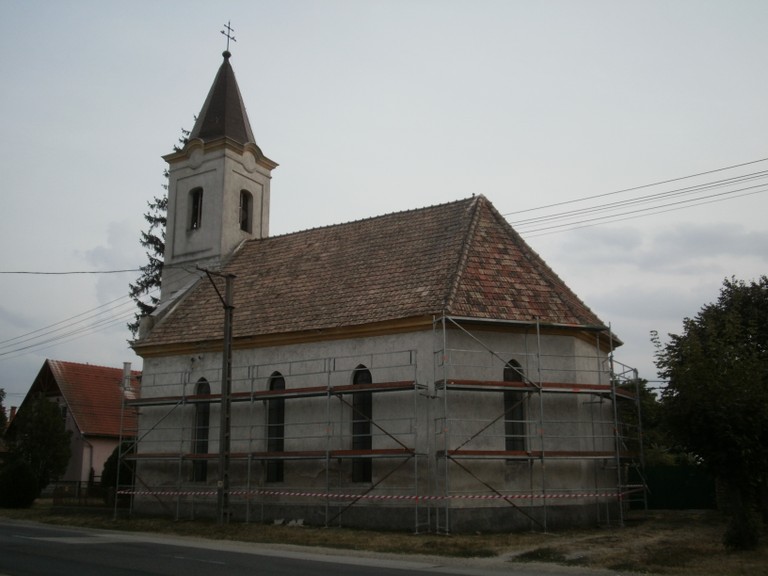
(228, 33)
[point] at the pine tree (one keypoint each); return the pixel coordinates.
(39, 437)
(153, 240)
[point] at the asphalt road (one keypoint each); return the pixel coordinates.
(28, 549)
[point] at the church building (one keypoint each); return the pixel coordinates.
(422, 370)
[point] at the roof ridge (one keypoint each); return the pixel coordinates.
(464, 253)
(88, 365)
(366, 219)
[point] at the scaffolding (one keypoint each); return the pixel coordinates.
(551, 428)
(316, 443)
(514, 423)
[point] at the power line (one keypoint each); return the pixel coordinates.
(656, 203)
(69, 329)
(689, 190)
(617, 217)
(66, 320)
(69, 272)
(74, 334)
(632, 189)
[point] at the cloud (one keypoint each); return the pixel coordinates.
(121, 251)
(680, 249)
(13, 320)
(688, 246)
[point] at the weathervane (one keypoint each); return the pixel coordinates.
(228, 33)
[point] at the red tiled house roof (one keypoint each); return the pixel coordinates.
(460, 259)
(93, 395)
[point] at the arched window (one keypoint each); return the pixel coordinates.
(362, 411)
(200, 432)
(195, 208)
(246, 209)
(514, 409)
(275, 428)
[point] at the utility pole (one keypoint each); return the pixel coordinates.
(225, 427)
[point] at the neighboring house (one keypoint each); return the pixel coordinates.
(91, 402)
(423, 369)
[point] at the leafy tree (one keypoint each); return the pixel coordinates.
(153, 240)
(658, 447)
(38, 437)
(716, 402)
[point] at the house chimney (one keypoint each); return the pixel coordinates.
(126, 375)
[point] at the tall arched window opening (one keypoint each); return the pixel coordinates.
(201, 431)
(246, 210)
(362, 412)
(276, 428)
(514, 409)
(195, 208)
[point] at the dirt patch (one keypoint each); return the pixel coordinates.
(669, 542)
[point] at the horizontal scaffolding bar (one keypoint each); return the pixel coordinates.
(534, 454)
(306, 392)
(290, 455)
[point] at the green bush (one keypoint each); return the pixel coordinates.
(109, 479)
(18, 485)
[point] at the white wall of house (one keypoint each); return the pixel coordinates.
(87, 452)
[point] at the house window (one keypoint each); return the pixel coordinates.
(246, 208)
(275, 428)
(362, 410)
(514, 409)
(201, 430)
(195, 208)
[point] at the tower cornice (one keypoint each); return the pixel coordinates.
(218, 144)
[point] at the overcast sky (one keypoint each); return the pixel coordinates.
(372, 107)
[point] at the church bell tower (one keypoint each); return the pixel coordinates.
(218, 188)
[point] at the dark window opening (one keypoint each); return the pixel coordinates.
(362, 411)
(201, 431)
(276, 429)
(246, 209)
(196, 208)
(514, 409)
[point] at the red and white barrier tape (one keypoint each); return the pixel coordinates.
(333, 496)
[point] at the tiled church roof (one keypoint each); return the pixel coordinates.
(461, 259)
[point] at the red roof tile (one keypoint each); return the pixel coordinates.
(460, 258)
(93, 395)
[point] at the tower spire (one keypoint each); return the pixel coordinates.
(223, 114)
